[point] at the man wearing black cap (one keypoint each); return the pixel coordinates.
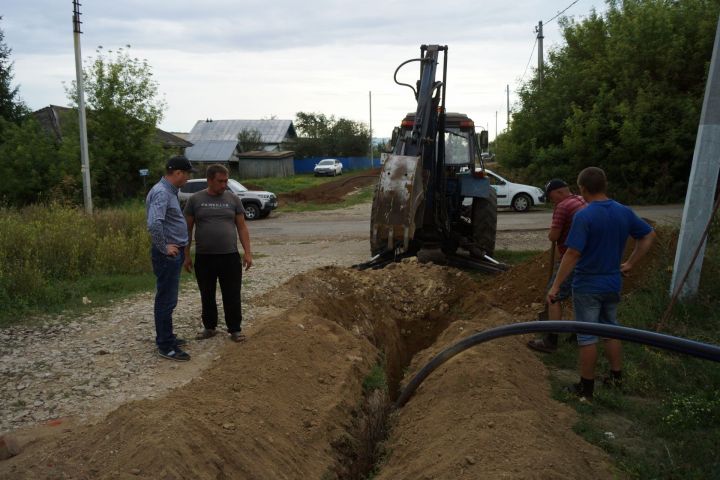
(169, 234)
(565, 206)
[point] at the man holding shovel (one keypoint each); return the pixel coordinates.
(565, 205)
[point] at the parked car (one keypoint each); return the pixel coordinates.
(257, 204)
(516, 195)
(329, 166)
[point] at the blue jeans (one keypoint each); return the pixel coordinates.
(167, 271)
(595, 308)
(565, 291)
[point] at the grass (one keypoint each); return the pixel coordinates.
(375, 379)
(512, 257)
(666, 422)
(67, 296)
(50, 255)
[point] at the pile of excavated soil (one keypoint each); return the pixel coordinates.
(332, 192)
(521, 290)
(278, 405)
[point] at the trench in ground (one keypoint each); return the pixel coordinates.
(402, 325)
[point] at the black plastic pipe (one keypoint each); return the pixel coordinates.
(668, 342)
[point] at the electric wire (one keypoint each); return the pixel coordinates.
(560, 13)
(529, 59)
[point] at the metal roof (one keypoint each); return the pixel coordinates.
(212, 151)
(272, 131)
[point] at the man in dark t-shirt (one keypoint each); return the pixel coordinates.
(218, 217)
(595, 247)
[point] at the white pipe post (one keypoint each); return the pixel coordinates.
(702, 183)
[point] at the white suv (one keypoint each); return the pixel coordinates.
(257, 204)
(329, 166)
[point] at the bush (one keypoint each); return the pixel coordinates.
(43, 246)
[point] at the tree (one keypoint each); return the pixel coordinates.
(12, 108)
(123, 112)
(323, 136)
(31, 170)
(623, 92)
(250, 140)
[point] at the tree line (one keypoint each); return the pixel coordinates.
(623, 92)
(39, 163)
(327, 136)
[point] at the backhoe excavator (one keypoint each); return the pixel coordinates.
(435, 163)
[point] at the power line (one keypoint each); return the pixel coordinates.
(529, 60)
(560, 13)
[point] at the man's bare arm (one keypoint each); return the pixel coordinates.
(642, 246)
(244, 235)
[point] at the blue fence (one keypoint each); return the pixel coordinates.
(306, 165)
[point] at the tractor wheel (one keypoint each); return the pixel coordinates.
(484, 222)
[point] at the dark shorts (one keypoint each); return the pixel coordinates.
(565, 291)
(595, 308)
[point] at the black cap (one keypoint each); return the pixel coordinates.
(180, 162)
(554, 184)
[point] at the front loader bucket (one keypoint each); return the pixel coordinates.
(398, 196)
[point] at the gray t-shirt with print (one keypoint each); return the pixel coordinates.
(214, 216)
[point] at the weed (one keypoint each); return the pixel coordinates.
(376, 379)
(51, 256)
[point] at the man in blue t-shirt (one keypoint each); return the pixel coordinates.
(595, 244)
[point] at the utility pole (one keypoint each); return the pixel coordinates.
(84, 156)
(495, 140)
(508, 107)
(701, 184)
(539, 30)
(372, 160)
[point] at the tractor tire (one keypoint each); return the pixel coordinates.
(484, 222)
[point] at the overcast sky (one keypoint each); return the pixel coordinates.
(250, 59)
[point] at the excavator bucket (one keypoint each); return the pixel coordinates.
(397, 199)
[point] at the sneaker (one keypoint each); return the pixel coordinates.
(237, 337)
(576, 390)
(206, 333)
(542, 345)
(609, 381)
(174, 354)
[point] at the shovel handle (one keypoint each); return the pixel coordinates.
(552, 260)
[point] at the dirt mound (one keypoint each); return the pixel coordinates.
(284, 404)
(334, 191)
(521, 290)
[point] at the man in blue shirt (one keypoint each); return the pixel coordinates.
(596, 243)
(168, 230)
